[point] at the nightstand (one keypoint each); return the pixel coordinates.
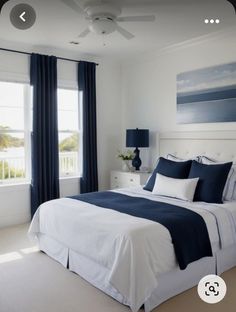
(122, 179)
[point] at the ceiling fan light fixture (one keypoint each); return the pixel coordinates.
(102, 26)
(105, 17)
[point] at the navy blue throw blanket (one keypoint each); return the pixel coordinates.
(187, 228)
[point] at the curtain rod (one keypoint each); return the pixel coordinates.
(27, 53)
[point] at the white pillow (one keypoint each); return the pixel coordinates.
(175, 158)
(178, 188)
(230, 183)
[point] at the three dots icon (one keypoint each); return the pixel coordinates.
(212, 21)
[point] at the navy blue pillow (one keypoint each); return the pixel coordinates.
(171, 169)
(211, 182)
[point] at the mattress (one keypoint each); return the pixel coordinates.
(134, 252)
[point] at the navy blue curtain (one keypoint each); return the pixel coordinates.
(87, 85)
(45, 157)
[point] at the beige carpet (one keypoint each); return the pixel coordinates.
(32, 282)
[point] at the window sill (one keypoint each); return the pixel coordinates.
(70, 177)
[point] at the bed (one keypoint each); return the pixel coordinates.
(130, 258)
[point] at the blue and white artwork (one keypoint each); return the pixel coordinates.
(207, 95)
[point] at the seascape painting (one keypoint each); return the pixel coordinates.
(207, 95)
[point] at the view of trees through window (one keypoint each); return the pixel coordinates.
(12, 134)
(15, 132)
(69, 132)
(9, 166)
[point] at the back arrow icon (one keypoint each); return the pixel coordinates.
(22, 17)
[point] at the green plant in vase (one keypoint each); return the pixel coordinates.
(126, 158)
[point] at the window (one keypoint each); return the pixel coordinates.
(15, 132)
(70, 134)
(15, 102)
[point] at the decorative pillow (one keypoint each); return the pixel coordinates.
(175, 158)
(229, 186)
(212, 180)
(178, 188)
(169, 168)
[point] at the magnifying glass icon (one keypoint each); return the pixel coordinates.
(212, 289)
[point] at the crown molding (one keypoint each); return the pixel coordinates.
(212, 37)
(222, 34)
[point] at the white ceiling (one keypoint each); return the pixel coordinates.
(176, 22)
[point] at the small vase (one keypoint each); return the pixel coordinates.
(126, 165)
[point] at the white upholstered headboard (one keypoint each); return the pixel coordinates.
(218, 145)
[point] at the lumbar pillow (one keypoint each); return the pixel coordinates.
(212, 180)
(178, 188)
(169, 168)
(229, 185)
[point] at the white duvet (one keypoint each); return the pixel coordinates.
(134, 250)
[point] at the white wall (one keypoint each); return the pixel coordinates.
(15, 200)
(109, 117)
(14, 205)
(149, 85)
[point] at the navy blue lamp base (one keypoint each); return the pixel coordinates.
(136, 162)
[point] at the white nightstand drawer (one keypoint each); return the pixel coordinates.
(121, 179)
(115, 180)
(132, 179)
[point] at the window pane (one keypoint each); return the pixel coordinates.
(68, 112)
(68, 155)
(12, 105)
(12, 156)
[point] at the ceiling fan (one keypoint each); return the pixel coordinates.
(104, 17)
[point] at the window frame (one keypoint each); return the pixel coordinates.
(26, 131)
(79, 132)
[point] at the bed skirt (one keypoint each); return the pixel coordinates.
(169, 284)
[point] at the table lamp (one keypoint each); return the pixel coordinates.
(137, 138)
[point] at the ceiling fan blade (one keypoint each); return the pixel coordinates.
(84, 33)
(145, 18)
(124, 32)
(73, 5)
